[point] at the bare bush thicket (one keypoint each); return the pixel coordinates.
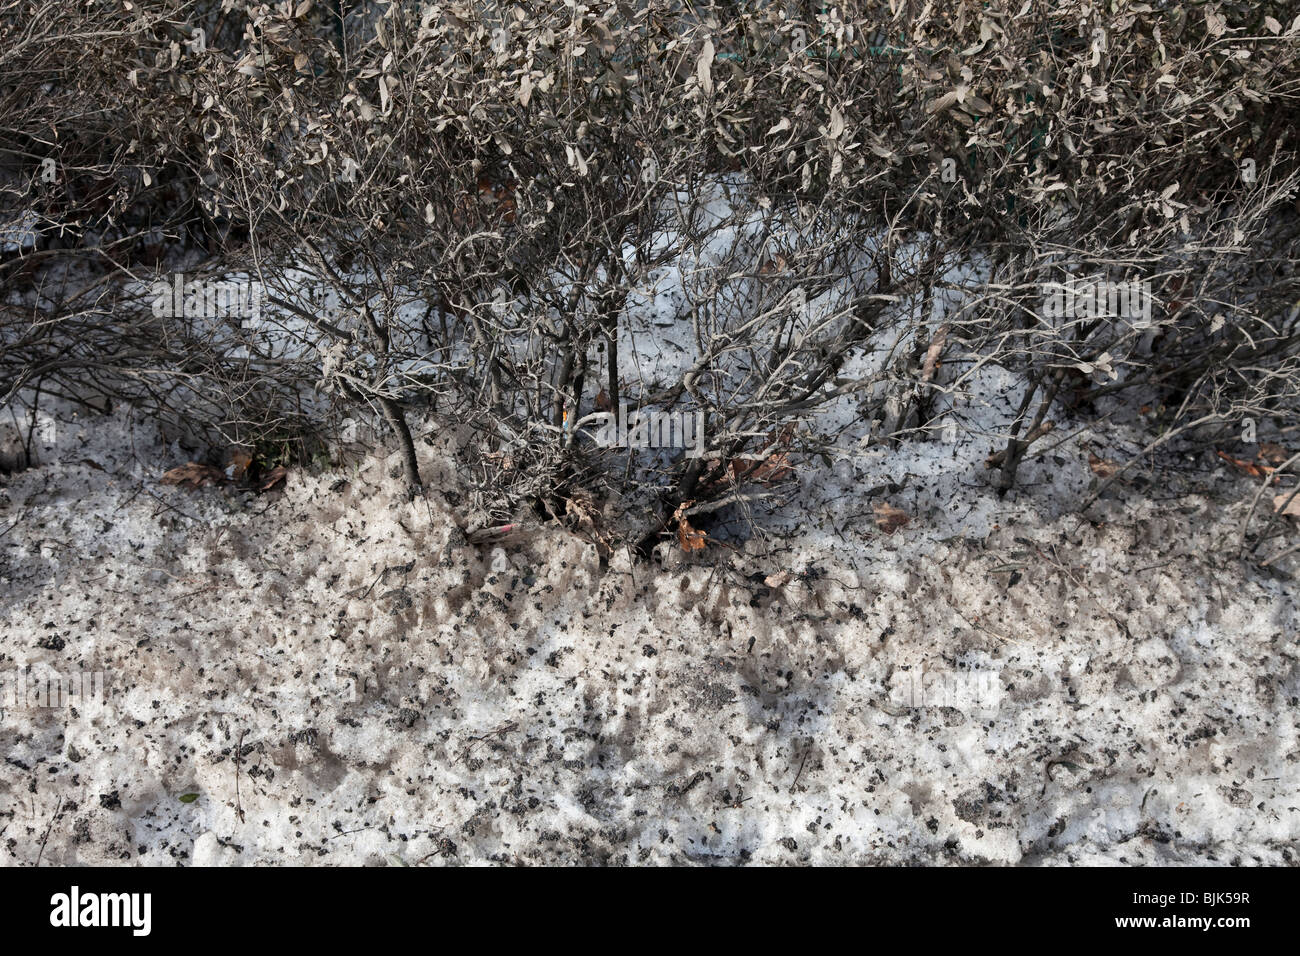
(469, 208)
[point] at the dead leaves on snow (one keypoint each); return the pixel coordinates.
(687, 537)
(194, 475)
(239, 470)
(888, 518)
(1102, 467)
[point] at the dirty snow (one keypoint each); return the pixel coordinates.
(341, 678)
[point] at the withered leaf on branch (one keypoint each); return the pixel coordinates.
(764, 470)
(704, 67)
(932, 353)
(770, 469)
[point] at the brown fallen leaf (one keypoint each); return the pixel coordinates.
(1247, 467)
(1102, 467)
(1273, 453)
(687, 537)
(888, 518)
(193, 475)
(1291, 507)
(238, 461)
(778, 579)
(774, 467)
(274, 477)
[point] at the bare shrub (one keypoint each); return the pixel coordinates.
(524, 218)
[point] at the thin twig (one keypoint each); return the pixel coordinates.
(58, 811)
(239, 748)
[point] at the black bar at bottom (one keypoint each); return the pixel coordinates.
(299, 906)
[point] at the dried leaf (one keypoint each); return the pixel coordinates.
(582, 506)
(238, 461)
(836, 127)
(888, 518)
(1102, 467)
(193, 475)
(775, 467)
(942, 103)
(687, 537)
(778, 579)
(1273, 453)
(1246, 467)
(704, 67)
(1292, 507)
(932, 353)
(274, 477)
